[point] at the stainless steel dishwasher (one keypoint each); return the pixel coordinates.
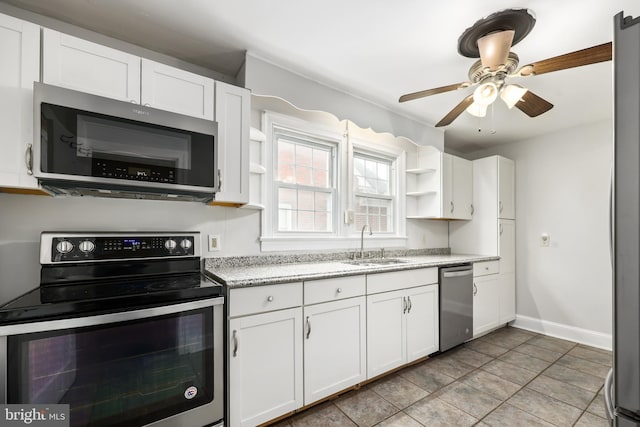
(456, 305)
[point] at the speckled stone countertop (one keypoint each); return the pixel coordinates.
(272, 269)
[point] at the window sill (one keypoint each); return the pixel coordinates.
(296, 243)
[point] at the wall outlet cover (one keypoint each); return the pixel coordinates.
(214, 242)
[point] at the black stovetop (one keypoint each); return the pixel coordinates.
(50, 302)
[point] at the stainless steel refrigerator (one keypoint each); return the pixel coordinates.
(622, 387)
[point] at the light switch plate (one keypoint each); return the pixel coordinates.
(214, 242)
(544, 239)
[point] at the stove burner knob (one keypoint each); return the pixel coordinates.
(86, 246)
(185, 244)
(170, 244)
(64, 247)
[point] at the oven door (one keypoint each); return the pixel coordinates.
(92, 139)
(160, 366)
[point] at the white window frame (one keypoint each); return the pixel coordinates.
(312, 142)
(393, 177)
(344, 236)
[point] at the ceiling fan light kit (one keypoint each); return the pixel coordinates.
(491, 39)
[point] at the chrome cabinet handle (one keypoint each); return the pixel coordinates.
(133, 101)
(608, 395)
(28, 158)
(501, 229)
(308, 327)
(472, 209)
(475, 290)
(451, 207)
(219, 180)
(410, 305)
(270, 298)
(500, 205)
(235, 343)
(404, 305)
(339, 290)
(147, 104)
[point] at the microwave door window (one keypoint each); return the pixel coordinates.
(88, 144)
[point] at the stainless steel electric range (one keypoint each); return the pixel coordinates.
(123, 328)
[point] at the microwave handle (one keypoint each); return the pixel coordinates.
(219, 180)
(28, 158)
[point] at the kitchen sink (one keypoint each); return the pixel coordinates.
(374, 262)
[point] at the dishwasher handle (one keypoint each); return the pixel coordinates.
(458, 273)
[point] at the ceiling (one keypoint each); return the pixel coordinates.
(375, 49)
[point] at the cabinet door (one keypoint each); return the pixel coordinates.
(506, 188)
(334, 347)
(422, 322)
(386, 341)
(232, 112)
(447, 207)
(507, 286)
(89, 67)
(19, 68)
(507, 245)
(462, 188)
(172, 89)
(486, 296)
(265, 366)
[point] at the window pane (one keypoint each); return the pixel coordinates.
(323, 202)
(305, 200)
(305, 220)
(285, 152)
(287, 219)
(371, 170)
(321, 159)
(323, 221)
(375, 212)
(383, 171)
(358, 167)
(285, 173)
(383, 187)
(303, 175)
(287, 199)
(303, 155)
(320, 178)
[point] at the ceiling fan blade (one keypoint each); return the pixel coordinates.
(434, 91)
(532, 105)
(591, 55)
(457, 110)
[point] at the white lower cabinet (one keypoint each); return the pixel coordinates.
(486, 297)
(265, 366)
(402, 326)
(334, 347)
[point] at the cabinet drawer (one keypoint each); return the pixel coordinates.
(316, 291)
(486, 267)
(383, 282)
(258, 299)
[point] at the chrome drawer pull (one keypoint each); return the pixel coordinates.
(235, 343)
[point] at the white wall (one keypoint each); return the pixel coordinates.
(23, 218)
(562, 188)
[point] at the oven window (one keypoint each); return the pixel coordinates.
(119, 374)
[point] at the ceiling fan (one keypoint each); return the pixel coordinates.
(491, 39)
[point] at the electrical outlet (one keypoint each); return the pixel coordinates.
(214, 242)
(544, 239)
(348, 216)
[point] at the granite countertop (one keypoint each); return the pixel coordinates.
(234, 274)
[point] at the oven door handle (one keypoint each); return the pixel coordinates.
(235, 343)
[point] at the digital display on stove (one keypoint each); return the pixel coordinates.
(131, 242)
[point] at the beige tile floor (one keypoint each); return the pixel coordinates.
(510, 377)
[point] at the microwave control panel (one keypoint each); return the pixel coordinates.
(137, 172)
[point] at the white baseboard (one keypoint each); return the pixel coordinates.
(565, 332)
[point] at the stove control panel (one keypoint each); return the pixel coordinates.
(93, 247)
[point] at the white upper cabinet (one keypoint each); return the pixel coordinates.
(233, 113)
(89, 67)
(19, 68)
(441, 187)
(506, 188)
(172, 89)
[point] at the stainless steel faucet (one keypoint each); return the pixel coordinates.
(364, 227)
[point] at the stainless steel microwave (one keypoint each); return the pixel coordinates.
(90, 145)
